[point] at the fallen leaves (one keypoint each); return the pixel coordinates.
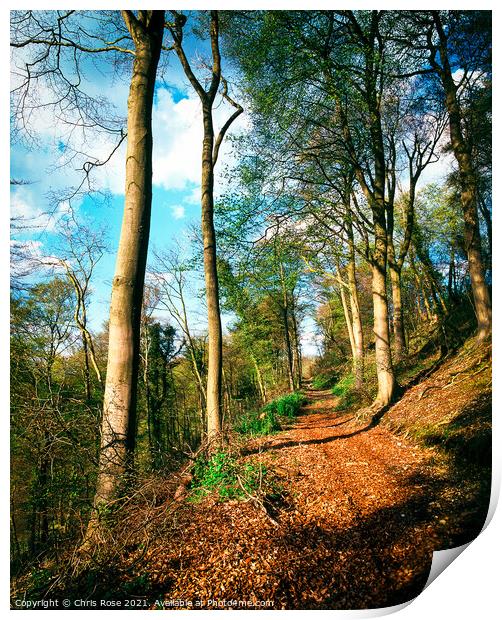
(360, 515)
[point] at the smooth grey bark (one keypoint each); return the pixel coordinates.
(357, 325)
(374, 191)
(210, 151)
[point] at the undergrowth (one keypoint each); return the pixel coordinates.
(267, 420)
(324, 381)
(344, 389)
(225, 476)
(287, 406)
(262, 422)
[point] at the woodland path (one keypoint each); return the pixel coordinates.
(363, 511)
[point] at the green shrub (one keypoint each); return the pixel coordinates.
(323, 381)
(261, 422)
(288, 406)
(343, 386)
(347, 400)
(267, 421)
(221, 473)
(346, 393)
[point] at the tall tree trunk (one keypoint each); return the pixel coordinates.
(379, 207)
(215, 351)
(297, 353)
(451, 275)
(398, 319)
(383, 356)
(485, 212)
(210, 150)
(285, 320)
(357, 326)
(348, 319)
(374, 192)
(481, 295)
(259, 379)
(289, 352)
(87, 371)
(119, 406)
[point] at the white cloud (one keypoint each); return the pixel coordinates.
(178, 212)
(28, 256)
(55, 162)
(28, 215)
(193, 197)
(177, 142)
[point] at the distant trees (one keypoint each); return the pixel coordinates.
(263, 288)
(368, 114)
(170, 276)
(158, 354)
(451, 50)
(53, 427)
(81, 249)
(451, 29)
(362, 89)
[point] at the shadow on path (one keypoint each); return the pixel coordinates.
(384, 558)
(375, 420)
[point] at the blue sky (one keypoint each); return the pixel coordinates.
(460, 580)
(177, 126)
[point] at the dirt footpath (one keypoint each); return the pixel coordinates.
(362, 512)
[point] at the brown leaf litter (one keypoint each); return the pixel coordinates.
(362, 511)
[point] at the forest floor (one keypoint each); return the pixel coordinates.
(358, 509)
(362, 507)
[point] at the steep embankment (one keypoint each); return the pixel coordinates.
(358, 508)
(451, 408)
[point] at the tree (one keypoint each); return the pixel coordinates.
(262, 282)
(460, 40)
(370, 165)
(342, 66)
(170, 277)
(210, 150)
(425, 129)
(44, 423)
(81, 249)
(119, 406)
(158, 354)
(53, 34)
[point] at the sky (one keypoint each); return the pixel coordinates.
(177, 130)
